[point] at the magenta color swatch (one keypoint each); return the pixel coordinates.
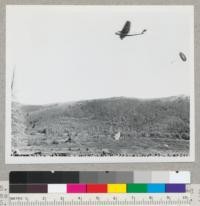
(76, 188)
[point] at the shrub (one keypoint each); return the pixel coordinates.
(143, 134)
(167, 135)
(152, 134)
(185, 136)
(155, 134)
(43, 131)
(177, 135)
(55, 142)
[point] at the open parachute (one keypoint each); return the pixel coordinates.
(183, 56)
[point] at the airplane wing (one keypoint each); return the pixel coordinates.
(137, 33)
(126, 28)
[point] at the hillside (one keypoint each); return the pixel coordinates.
(92, 125)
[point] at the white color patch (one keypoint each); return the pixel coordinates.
(179, 177)
(57, 188)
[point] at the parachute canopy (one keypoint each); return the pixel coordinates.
(182, 56)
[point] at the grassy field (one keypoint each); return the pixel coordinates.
(157, 127)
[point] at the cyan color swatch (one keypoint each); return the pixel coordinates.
(156, 188)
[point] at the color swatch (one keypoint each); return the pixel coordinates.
(99, 182)
(76, 188)
(96, 177)
(98, 188)
(137, 188)
(116, 188)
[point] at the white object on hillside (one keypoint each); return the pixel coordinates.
(117, 136)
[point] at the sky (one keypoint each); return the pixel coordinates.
(71, 53)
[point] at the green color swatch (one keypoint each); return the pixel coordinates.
(136, 188)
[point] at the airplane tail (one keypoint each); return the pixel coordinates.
(143, 31)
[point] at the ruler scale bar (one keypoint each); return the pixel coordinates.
(99, 200)
(103, 200)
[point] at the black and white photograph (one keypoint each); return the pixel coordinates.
(99, 84)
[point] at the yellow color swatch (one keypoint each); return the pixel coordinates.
(116, 188)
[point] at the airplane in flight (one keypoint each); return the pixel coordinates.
(126, 29)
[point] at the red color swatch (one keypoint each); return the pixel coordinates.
(96, 188)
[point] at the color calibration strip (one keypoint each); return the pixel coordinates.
(97, 188)
(63, 177)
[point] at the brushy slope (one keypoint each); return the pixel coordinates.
(92, 125)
